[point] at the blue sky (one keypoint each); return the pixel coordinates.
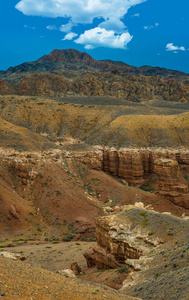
(137, 32)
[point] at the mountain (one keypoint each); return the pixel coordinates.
(71, 59)
(73, 73)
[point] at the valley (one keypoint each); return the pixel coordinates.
(94, 169)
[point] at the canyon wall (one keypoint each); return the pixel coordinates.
(135, 166)
(166, 170)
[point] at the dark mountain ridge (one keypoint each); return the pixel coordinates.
(71, 59)
(69, 72)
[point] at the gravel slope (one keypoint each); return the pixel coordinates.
(22, 281)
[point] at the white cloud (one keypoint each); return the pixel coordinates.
(80, 11)
(135, 15)
(89, 47)
(175, 49)
(70, 36)
(100, 37)
(151, 26)
(109, 13)
(113, 24)
(51, 27)
(29, 27)
(67, 27)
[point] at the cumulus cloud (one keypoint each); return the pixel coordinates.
(80, 11)
(67, 27)
(113, 24)
(151, 26)
(70, 36)
(100, 37)
(171, 47)
(51, 27)
(109, 13)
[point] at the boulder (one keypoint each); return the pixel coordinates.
(75, 268)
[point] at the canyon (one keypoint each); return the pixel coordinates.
(94, 163)
(136, 166)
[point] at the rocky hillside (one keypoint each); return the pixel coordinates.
(71, 59)
(149, 247)
(21, 281)
(70, 72)
(57, 194)
(153, 124)
(89, 147)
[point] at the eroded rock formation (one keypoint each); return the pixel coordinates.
(134, 166)
(171, 182)
(121, 237)
(137, 165)
(128, 237)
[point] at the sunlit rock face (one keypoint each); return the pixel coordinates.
(136, 165)
(129, 236)
(171, 182)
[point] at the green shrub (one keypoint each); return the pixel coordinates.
(146, 186)
(123, 269)
(58, 193)
(143, 214)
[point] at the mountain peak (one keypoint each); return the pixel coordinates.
(68, 55)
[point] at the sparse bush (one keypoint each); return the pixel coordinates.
(143, 214)
(146, 186)
(123, 269)
(68, 238)
(150, 233)
(58, 193)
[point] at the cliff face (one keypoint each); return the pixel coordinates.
(171, 183)
(30, 194)
(136, 165)
(124, 237)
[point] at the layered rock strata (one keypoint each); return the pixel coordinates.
(171, 182)
(121, 237)
(131, 236)
(136, 165)
(133, 165)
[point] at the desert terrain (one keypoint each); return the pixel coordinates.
(94, 170)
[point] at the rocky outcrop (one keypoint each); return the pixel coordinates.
(23, 167)
(171, 182)
(128, 237)
(67, 273)
(75, 268)
(134, 166)
(25, 164)
(131, 166)
(101, 258)
(13, 212)
(13, 256)
(137, 165)
(93, 158)
(123, 238)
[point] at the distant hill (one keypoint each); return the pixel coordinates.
(70, 72)
(71, 59)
